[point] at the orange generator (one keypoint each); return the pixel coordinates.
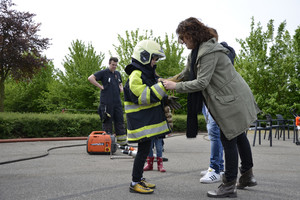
(98, 142)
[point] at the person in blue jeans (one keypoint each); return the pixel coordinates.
(216, 166)
(158, 142)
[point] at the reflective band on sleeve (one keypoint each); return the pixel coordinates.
(159, 92)
(144, 96)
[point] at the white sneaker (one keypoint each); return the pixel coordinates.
(202, 173)
(210, 177)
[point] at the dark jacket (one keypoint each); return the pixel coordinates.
(143, 103)
(231, 53)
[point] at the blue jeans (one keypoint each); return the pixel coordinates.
(216, 148)
(158, 147)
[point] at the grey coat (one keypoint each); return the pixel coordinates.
(227, 95)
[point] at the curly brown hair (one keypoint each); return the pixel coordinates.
(192, 28)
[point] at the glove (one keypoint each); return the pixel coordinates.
(106, 117)
(176, 78)
(171, 101)
(168, 115)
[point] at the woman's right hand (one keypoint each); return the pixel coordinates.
(169, 85)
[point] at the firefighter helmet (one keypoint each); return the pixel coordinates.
(145, 50)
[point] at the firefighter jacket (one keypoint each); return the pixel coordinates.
(143, 103)
(227, 95)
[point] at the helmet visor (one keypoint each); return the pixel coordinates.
(158, 57)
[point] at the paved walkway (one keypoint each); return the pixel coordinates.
(72, 174)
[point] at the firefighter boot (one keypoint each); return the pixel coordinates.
(226, 189)
(149, 165)
(246, 180)
(160, 166)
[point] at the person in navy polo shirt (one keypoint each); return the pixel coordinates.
(110, 108)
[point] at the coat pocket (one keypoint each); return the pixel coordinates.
(231, 115)
(226, 99)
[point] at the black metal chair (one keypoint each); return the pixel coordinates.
(261, 125)
(285, 124)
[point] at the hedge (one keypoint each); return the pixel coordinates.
(33, 125)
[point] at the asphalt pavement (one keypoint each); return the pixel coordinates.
(70, 173)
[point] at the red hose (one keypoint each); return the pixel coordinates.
(41, 139)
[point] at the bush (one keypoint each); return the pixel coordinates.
(180, 123)
(33, 125)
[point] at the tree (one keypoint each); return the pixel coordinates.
(76, 90)
(20, 46)
(174, 61)
(270, 65)
(53, 98)
(28, 96)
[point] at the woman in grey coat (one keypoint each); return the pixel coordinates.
(227, 97)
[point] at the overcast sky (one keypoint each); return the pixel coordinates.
(99, 22)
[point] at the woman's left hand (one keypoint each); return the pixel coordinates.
(169, 85)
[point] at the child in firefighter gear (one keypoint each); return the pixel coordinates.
(110, 108)
(143, 107)
(227, 97)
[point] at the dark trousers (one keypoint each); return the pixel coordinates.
(116, 113)
(140, 159)
(238, 145)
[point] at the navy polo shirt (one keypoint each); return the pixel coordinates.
(110, 82)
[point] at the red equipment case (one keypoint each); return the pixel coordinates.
(98, 142)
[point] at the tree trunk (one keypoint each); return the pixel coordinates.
(2, 94)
